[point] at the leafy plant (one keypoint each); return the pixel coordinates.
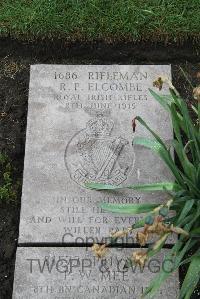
(184, 194)
(8, 190)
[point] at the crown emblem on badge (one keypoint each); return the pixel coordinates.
(99, 127)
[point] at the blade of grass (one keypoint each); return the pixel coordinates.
(184, 212)
(163, 186)
(129, 208)
(174, 255)
(191, 279)
(190, 131)
(151, 131)
(188, 167)
(175, 124)
(195, 191)
(160, 99)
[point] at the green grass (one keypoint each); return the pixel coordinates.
(174, 20)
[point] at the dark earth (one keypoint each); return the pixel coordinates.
(15, 60)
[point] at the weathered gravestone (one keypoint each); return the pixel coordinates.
(79, 130)
(74, 273)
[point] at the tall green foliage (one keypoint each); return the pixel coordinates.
(184, 193)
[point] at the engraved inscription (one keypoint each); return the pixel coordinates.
(78, 131)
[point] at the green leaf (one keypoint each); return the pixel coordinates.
(188, 167)
(198, 175)
(192, 186)
(188, 260)
(139, 223)
(129, 208)
(163, 153)
(193, 220)
(184, 212)
(186, 123)
(194, 109)
(157, 245)
(99, 186)
(195, 232)
(175, 255)
(151, 131)
(163, 186)
(199, 114)
(176, 99)
(191, 279)
(162, 100)
(175, 123)
(191, 132)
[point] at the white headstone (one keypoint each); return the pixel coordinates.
(79, 130)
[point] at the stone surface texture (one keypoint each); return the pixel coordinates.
(74, 273)
(79, 130)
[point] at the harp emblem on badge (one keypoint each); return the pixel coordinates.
(95, 155)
